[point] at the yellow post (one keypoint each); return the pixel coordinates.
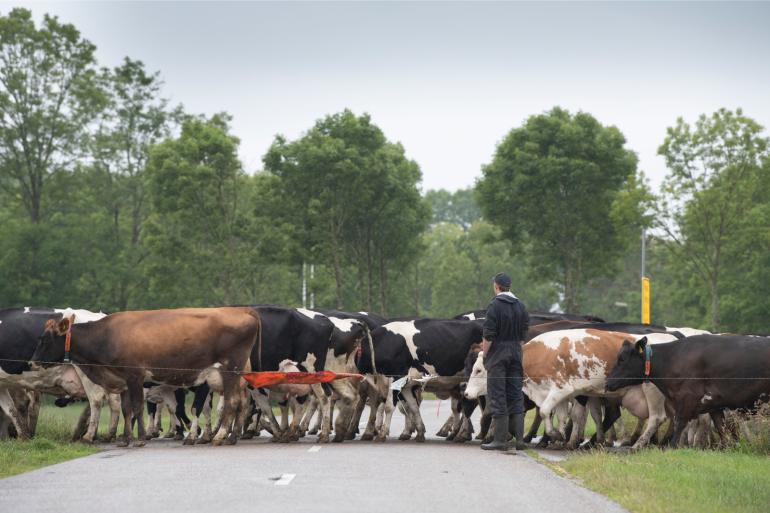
(645, 300)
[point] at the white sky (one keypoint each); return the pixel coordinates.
(446, 80)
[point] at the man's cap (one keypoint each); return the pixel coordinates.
(502, 279)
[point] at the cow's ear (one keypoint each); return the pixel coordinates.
(50, 325)
(64, 325)
(641, 344)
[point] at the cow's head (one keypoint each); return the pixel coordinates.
(50, 346)
(629, 368)
(477, 381)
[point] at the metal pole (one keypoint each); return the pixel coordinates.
(644, 249)
(304, 286)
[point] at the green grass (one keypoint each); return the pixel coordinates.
(683, 480)
(50, 445)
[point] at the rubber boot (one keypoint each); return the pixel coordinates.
(500, 441)
(517, 426)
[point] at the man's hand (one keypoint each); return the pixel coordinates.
(485, 345)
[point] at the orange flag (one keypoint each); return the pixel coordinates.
(266, 379)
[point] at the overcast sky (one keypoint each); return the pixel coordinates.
(446, 80)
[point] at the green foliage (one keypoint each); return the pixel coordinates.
(353, 199)
(557, 183)
(457, 207)
(715, 198)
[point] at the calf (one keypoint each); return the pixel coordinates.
(699, 374)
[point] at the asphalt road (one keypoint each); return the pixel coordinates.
(257, 475)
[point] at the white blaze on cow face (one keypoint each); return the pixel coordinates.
(477, 382)
(406, 329)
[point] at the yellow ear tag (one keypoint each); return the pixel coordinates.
(641, 350)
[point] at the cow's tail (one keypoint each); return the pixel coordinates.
(258, 340)
(371, 346)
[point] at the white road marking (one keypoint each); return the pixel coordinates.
(315, 448)
(285, 479)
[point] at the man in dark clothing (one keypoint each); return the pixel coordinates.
(505, 327)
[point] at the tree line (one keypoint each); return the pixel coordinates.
(111, 198)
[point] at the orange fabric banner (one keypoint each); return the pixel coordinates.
(266, 379)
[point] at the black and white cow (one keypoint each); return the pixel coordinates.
(20, 331)
(411, 349)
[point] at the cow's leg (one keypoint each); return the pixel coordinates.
(297, 411)
(9, 407)
(409, 422)
(533, 429)
(324, 405)
(240, 416)
(319, 417)
(95, 401)
(549, 406)
(135, 394)
(310, 411)
(387, 408)
(231, 397)
(579, 414)
(595, 409)
(113, 400)
(33, 411)
(347, 399)
(446, 427)
(128, 415)
(199, 397)
(376, 409)
(355, 418)
(207, 433)
(634, 435)
(413, 406)
(81, 425)
(719, 424)
(263, 403)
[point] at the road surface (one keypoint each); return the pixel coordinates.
(256, 475)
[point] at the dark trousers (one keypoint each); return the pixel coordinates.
(504, 378)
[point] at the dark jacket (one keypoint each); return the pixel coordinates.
(507, 319)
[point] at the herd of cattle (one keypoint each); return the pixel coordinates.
(573, 366)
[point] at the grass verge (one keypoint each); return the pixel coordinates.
(50, 445)
(682, 480)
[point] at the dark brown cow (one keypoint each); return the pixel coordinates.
(700, 374)
(181, 347)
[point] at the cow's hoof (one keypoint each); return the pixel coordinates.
(122, 443)
(420, 437)
(231, 439)
(294, 437)
(216, 442)
(313, 431)
(367, 436)
(350, 436)
(248, 435)
(442, 433)
(338, 438)
(178, 436)
(169, 435)
(188, 441)
(139, 443)
(404, 436)
(450, 437)
(527, 439)
(203, 440)
(323, 439)
(380, 438)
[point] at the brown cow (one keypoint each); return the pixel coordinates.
(181, 347)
